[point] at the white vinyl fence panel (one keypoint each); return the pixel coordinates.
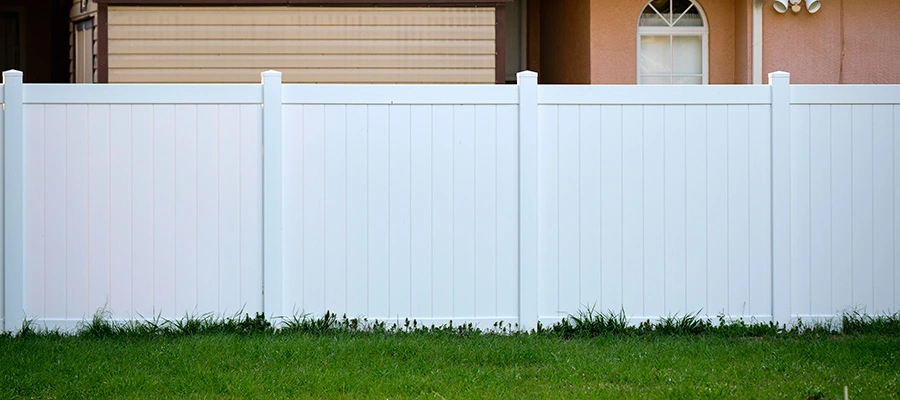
(144, 209)
(845, 155)
(654, 209)
(468, 203)
(403, 208)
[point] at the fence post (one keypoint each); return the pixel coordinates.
(528, 200)
(273, 282)
(781, 196)
(13, 202)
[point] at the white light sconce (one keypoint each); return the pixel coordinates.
(781, 6)
(813, 5)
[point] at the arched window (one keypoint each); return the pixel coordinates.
(672, 43)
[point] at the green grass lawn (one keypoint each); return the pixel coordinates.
(435, 365)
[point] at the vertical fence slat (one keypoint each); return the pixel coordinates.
(862, 212)
(421, 159)
(55, 214)
(695, 210)
(120, 211)
(379, 178)
(164, 210)
(590, 233)
(142, 212)
(485, 211)
(357, 210)
(841, 206)
(608, 202)
(896, 181)
(760, 245)
(548, 211)
(98, 207)
(208, 207)
(654, 211)
(632, 212)
(464, 210)
(186, 211)
(335, 208)
(273, 232)
(738, 210)
(800, 211)
(76, 212)
(528, 200)
(820, 208)
(507, 211)
(230, 300)
(398, 210)
(569, 211)
(675, 211)
(313, 209)
(442, 212)
(896, 232)
(35, 213)
(883, 202)
(251, 275)
(292, 220)
(717, 209)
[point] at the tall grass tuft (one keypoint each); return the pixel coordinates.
(854, 322)
(317, 326)
(589, 323)
(688, 324)
(100, 326)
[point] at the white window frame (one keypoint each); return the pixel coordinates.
(703, 32)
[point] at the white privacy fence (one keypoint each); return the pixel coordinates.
(465, 203)
(655, 208)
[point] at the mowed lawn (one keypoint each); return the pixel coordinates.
(373, 365)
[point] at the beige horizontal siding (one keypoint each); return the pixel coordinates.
(308, 44)
(250, 75)
(446, 47)
(283, 61)
(300, 32)
(302, 16)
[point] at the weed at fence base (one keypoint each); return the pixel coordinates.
(586, 323)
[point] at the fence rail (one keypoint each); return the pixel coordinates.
(468, 203)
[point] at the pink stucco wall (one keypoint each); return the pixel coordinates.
(614, 41)
(847, 41)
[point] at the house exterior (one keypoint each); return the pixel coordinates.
(452, 41)
(598, 41)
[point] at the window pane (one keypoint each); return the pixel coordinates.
(688, 54)
(655, 80)
(651, 19)
(690, 18)
(687, 80)
(662, 6)
(656, 55)
(679, 6)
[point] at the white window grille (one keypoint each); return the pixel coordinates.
(672, 43)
